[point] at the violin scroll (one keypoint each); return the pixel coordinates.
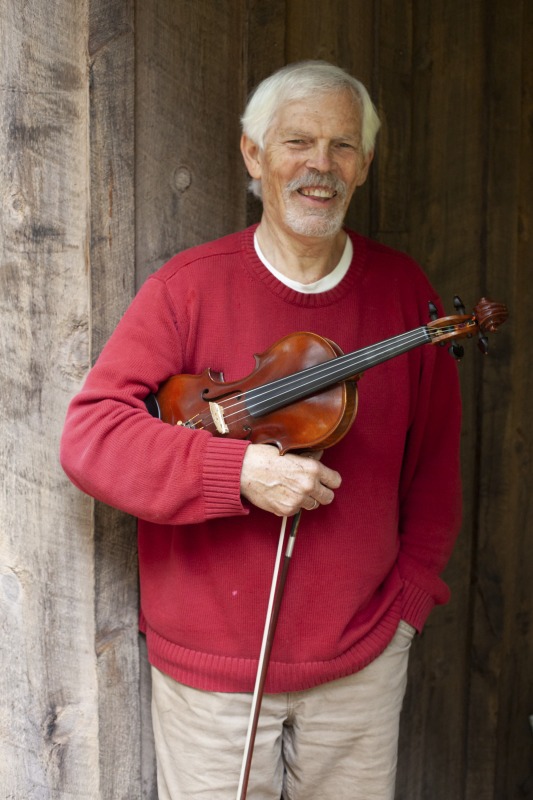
(489, 315)
(486, 317)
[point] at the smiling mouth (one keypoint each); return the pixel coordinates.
(317, 193)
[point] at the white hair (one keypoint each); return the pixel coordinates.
(297, 82)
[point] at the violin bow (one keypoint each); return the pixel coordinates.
(274, 604)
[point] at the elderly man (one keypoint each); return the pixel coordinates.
(384, 501)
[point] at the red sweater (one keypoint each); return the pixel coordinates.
(206, 558)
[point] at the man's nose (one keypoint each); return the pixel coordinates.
(320, 158)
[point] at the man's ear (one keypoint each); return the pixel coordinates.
(251, 152)
(363, 174)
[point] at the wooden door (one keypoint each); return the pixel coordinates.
(118, 147)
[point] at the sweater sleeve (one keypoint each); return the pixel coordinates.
(113, 450)
(430, 494)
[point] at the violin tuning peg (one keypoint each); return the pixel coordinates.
(458, 305)
(456, 350)
(483, 343)
(433, 313)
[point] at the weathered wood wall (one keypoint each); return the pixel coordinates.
(119, 146)
(48, 691)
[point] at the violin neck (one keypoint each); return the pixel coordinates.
(282, 392)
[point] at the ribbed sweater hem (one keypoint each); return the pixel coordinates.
(217, 673)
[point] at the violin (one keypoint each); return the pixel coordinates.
(302, 394)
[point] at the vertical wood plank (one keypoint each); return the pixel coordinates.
(501, 690)
(49, 730)
(264, 46)
(394, 97)
(189, 98)
(445, 235)
(265, 27)
(335, 31)
(112, 278)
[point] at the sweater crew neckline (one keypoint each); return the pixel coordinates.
(289, 295)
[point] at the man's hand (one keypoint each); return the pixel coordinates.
(285, 484)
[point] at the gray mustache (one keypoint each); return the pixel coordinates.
(319, 179)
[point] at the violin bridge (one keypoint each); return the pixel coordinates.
(217, 413)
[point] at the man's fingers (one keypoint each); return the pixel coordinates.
(314, 471)
(285, 484)
(311, 504)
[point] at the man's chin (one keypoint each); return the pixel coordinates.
(315, 226)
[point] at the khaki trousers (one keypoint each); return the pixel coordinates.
(337, 741)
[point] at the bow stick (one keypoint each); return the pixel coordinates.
(274, 605)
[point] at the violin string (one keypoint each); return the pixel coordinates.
(262, 394)
(332, 368)
(382, 350)
(343, 366)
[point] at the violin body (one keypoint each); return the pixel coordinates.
(314, 422)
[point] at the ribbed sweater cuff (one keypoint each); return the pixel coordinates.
(417, 605)
(222, 477)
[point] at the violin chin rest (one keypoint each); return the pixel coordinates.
(152, 406)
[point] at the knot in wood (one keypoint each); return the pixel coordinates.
(182, 178)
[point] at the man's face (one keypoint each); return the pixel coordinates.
(311, 164)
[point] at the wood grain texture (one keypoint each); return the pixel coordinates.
(501, 689)
(189, 98)
(112, 287)
(445, 235)
(264, 53)
(48, 692)
(393, 95)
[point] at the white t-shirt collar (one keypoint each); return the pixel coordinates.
(323, 284)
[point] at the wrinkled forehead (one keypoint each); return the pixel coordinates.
(336, 114)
